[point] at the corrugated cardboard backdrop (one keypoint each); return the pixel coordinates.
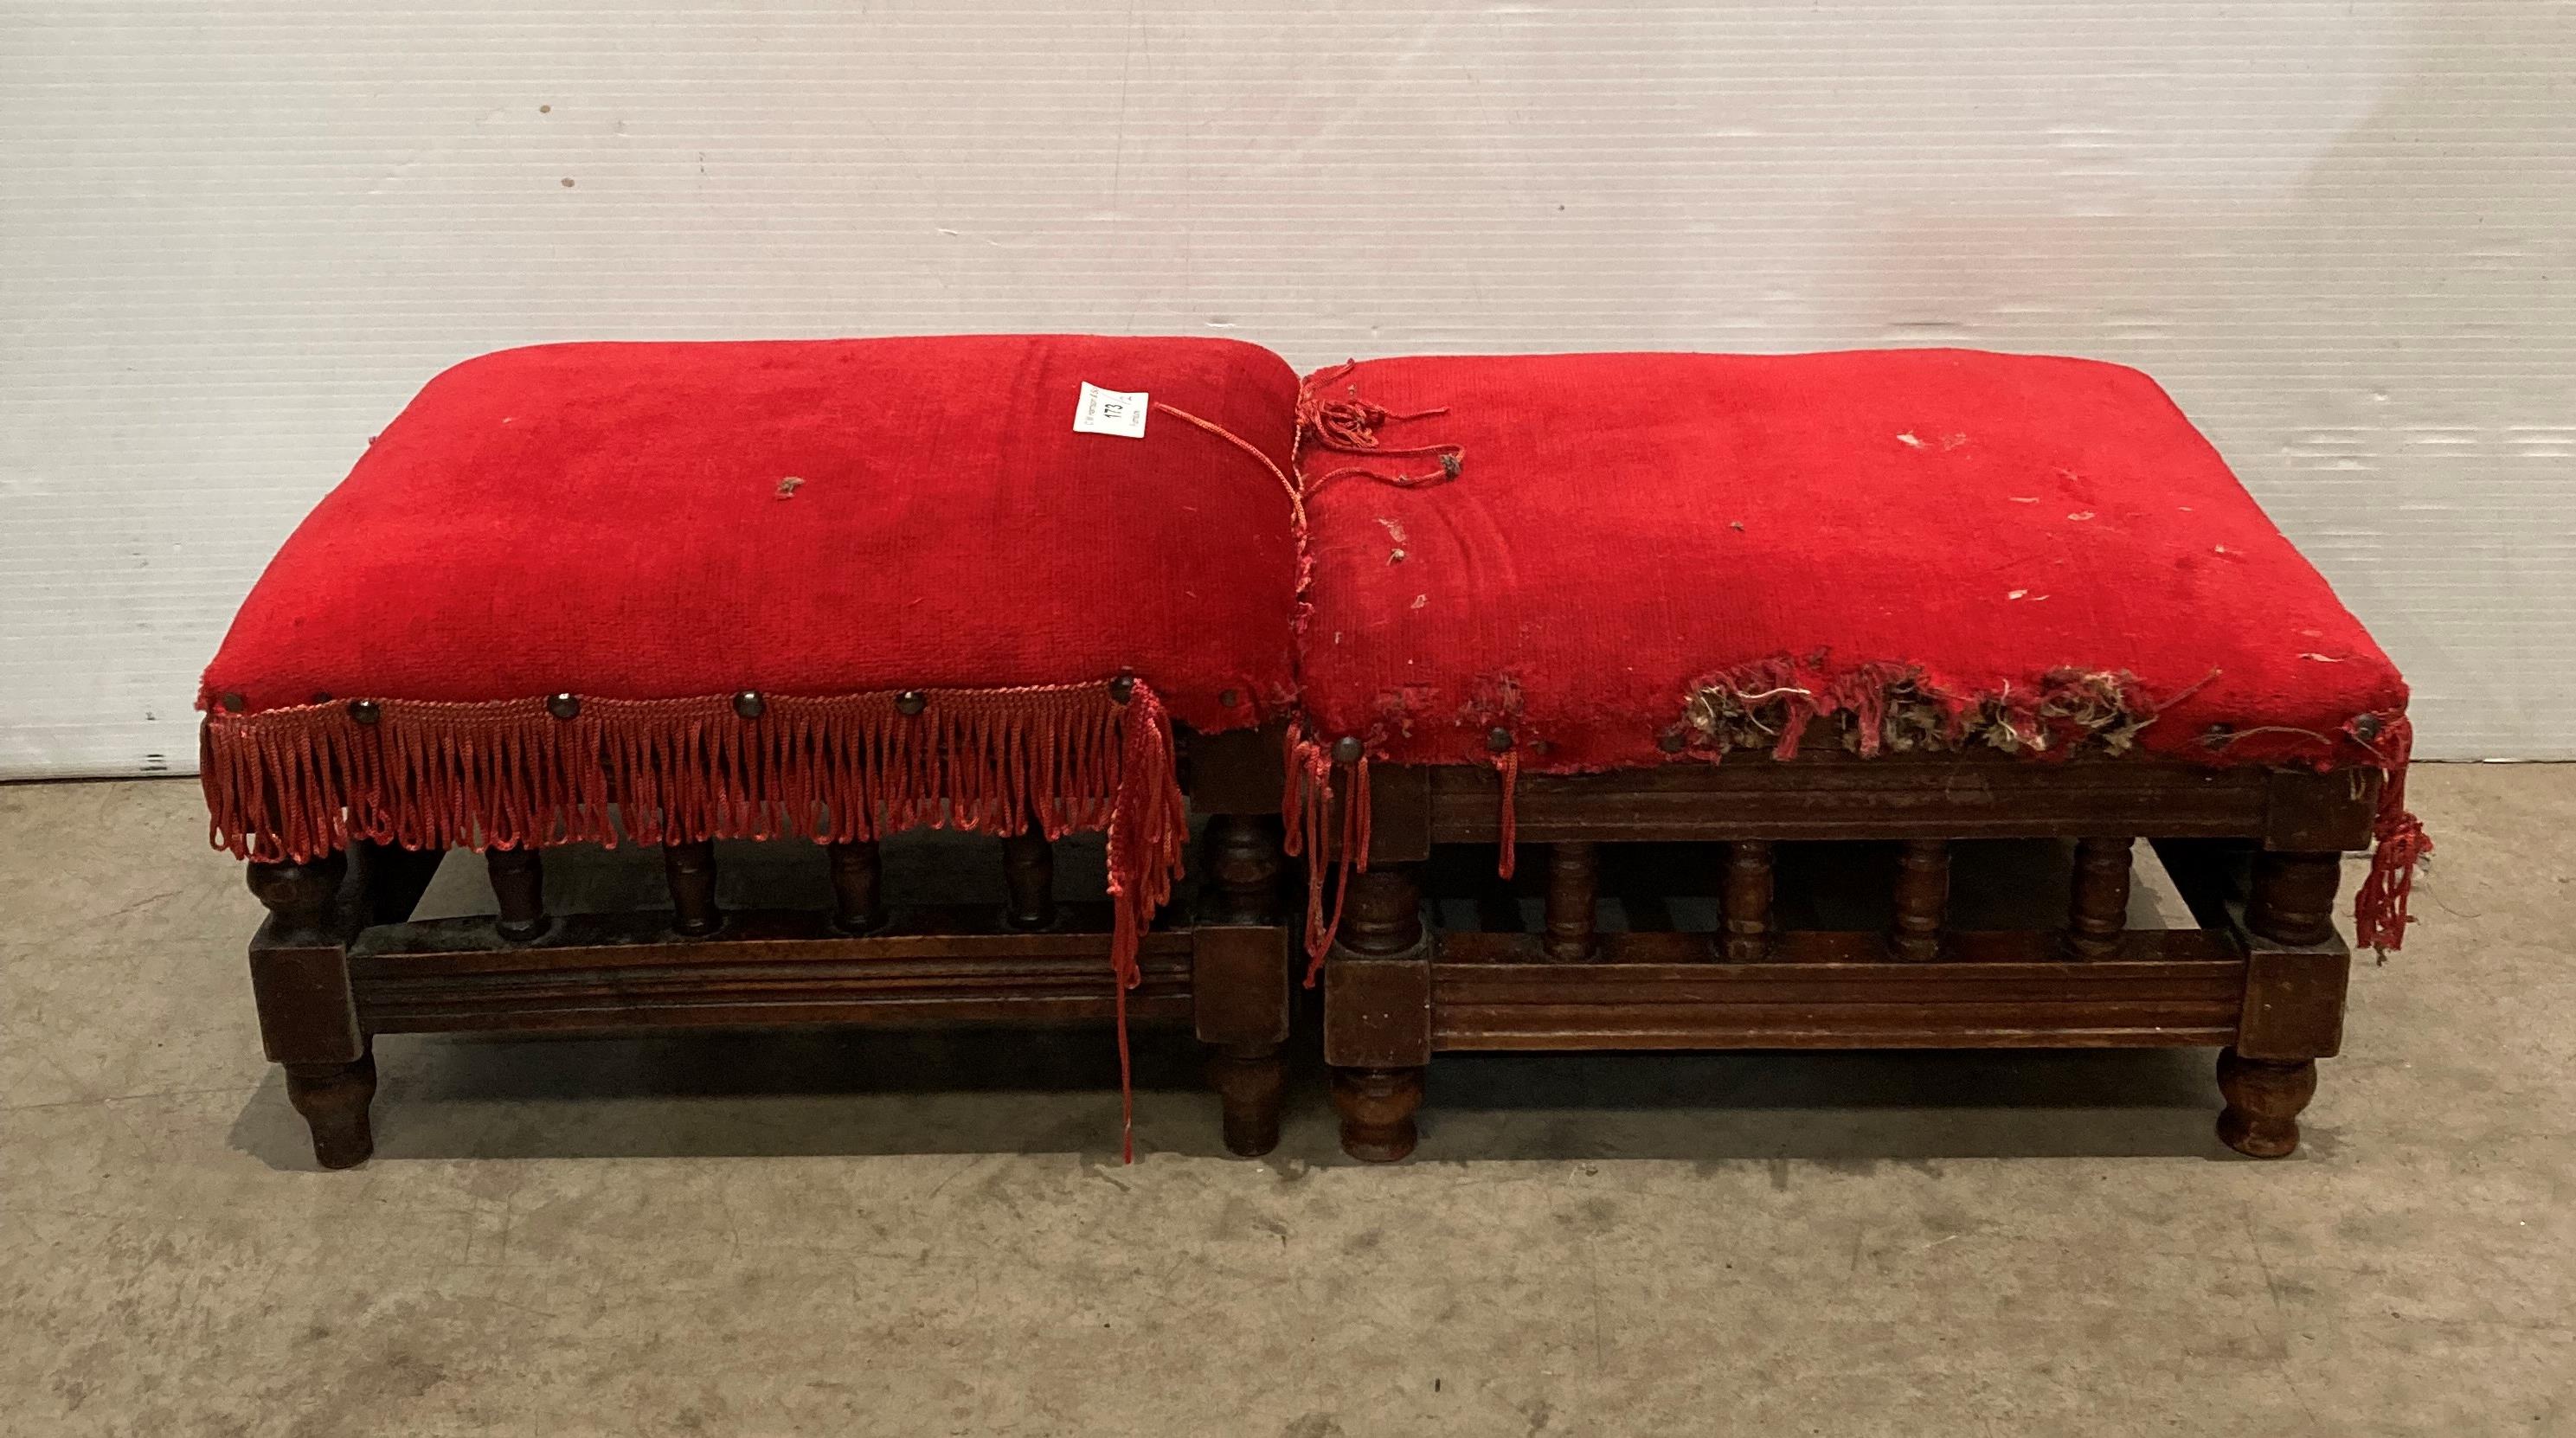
(234, 238)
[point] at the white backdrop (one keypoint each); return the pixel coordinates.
(235, 237)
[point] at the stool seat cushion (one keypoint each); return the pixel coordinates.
(653, 521)
(1650, 558)
(677, 592)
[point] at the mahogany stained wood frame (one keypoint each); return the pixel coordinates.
(340, 960)
(2256, 853)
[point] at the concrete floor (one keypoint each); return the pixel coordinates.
(733, 1236)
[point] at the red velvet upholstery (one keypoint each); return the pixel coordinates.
(690, 591)
(619, 520)
(1805, 532)
(1583, 562)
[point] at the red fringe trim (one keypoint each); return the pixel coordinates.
(293, 784)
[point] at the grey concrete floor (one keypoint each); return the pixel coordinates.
(818, 1233)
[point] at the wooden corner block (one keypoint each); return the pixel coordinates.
(1239, 983)
(1377, 1011)
(2294, 999)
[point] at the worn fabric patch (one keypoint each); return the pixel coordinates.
(1637, 558)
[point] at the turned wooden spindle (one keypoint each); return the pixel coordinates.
(858, 887)
(2294, 897)
(1028, 871)
(690, 870)
(1744, 901)
(1381, 921)
(2098, 913)
(1922, 898)
(1573, 883)
(519, 883)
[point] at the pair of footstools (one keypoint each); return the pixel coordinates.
(1837, 614)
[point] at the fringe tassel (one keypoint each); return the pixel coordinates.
(2379, 911)
(1508, 765)
(1306, 807)
(1148, 830)
(290, 785)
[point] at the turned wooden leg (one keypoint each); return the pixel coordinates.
(1239, 977)
(2263, 1103)
(2295, 975)
(1377, 1107)
(1377, 1013)
(308, 1014)
(1251, 1081)
(333, 1099)
(2293, 901)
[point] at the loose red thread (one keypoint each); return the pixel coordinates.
(1306, 809)
(1350, 425)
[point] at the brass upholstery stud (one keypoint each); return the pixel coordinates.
(321, 696)
(1346, 750)
(1672, 742)
(1123, 688)
(911, 701)
(1499, 740)
(564, 706)
(232, 701)
(365, 711)
(749, 704)
(1229, 697)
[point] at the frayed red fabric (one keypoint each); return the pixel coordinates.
(2380, 916)
(1656, 558)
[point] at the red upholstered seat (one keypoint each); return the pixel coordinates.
(1654, 558)
(697, 581)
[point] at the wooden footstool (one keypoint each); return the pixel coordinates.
(1915, 597)
(665, 594)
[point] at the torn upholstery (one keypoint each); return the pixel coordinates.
(1650, 558)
